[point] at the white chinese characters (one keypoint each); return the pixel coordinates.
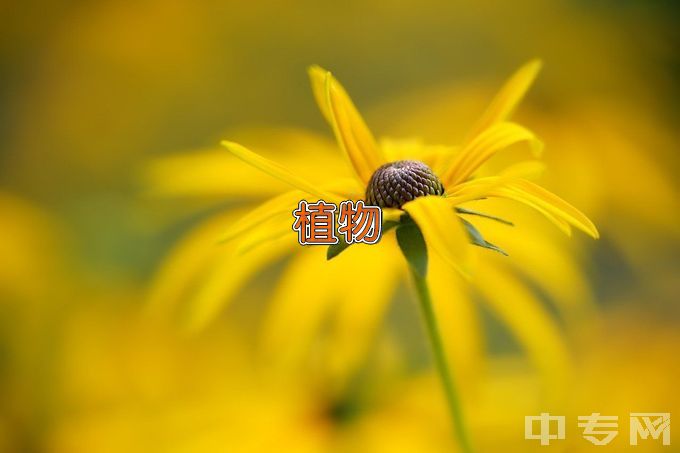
(600, 429)
(546, 432)
(654, 424)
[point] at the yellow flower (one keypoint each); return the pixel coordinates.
(310, 292)
(434, 215)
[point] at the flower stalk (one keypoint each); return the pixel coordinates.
(443, 369)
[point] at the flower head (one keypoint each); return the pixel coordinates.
(429, 188)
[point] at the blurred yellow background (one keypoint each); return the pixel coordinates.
(94, 94)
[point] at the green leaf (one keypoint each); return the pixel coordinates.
(412, 245)
(336, 249)
(477, 239)
(460, 210)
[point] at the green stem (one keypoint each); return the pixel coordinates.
(449, 384)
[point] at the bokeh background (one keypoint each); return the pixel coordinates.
(93, 93)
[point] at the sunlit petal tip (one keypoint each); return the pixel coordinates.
(509, 96)
(520, 82)
(317, 78)
(351, 131)
(314, 69)
(522, 79)
(593, 232)
(532, 67)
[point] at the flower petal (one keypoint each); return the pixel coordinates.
(349, 127)
(474, 189)
(361, 309)
(225, 278)
(492, 186)
(277, 171)
(530, 323)
(547, 203)
(442, 230)
(302, 300)
(185, 262)
(201, 173)
(284, 203)
(508, 97)
(496, 138)
(459, 320)
(274, 228)
(531, 248)
(198, 277)
(317, 78)
(287, 202)
(391, 214)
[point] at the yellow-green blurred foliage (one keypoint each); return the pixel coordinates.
(92, 92)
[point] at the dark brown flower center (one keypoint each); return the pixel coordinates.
(399, 182)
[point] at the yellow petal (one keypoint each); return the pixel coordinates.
(184, 263)
(442, 230)
(548, 203)
(391, 214)
(347, 188)
(301, 302)
(224, 279)
(475, 189)
(275, 228)
(212, 174)
(315, 312)
(493, 186)
(203, 173)
(349, 127)
(549, 264)
(273, 219)
(506, 187)
(317, 78)
(520, 310)
(277, 171)
(492, 140)
(284, 203)
(508, 97)
(459, 321)
(361, 308)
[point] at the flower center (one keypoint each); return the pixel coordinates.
(396, 183)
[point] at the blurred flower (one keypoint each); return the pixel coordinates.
(127, 384)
